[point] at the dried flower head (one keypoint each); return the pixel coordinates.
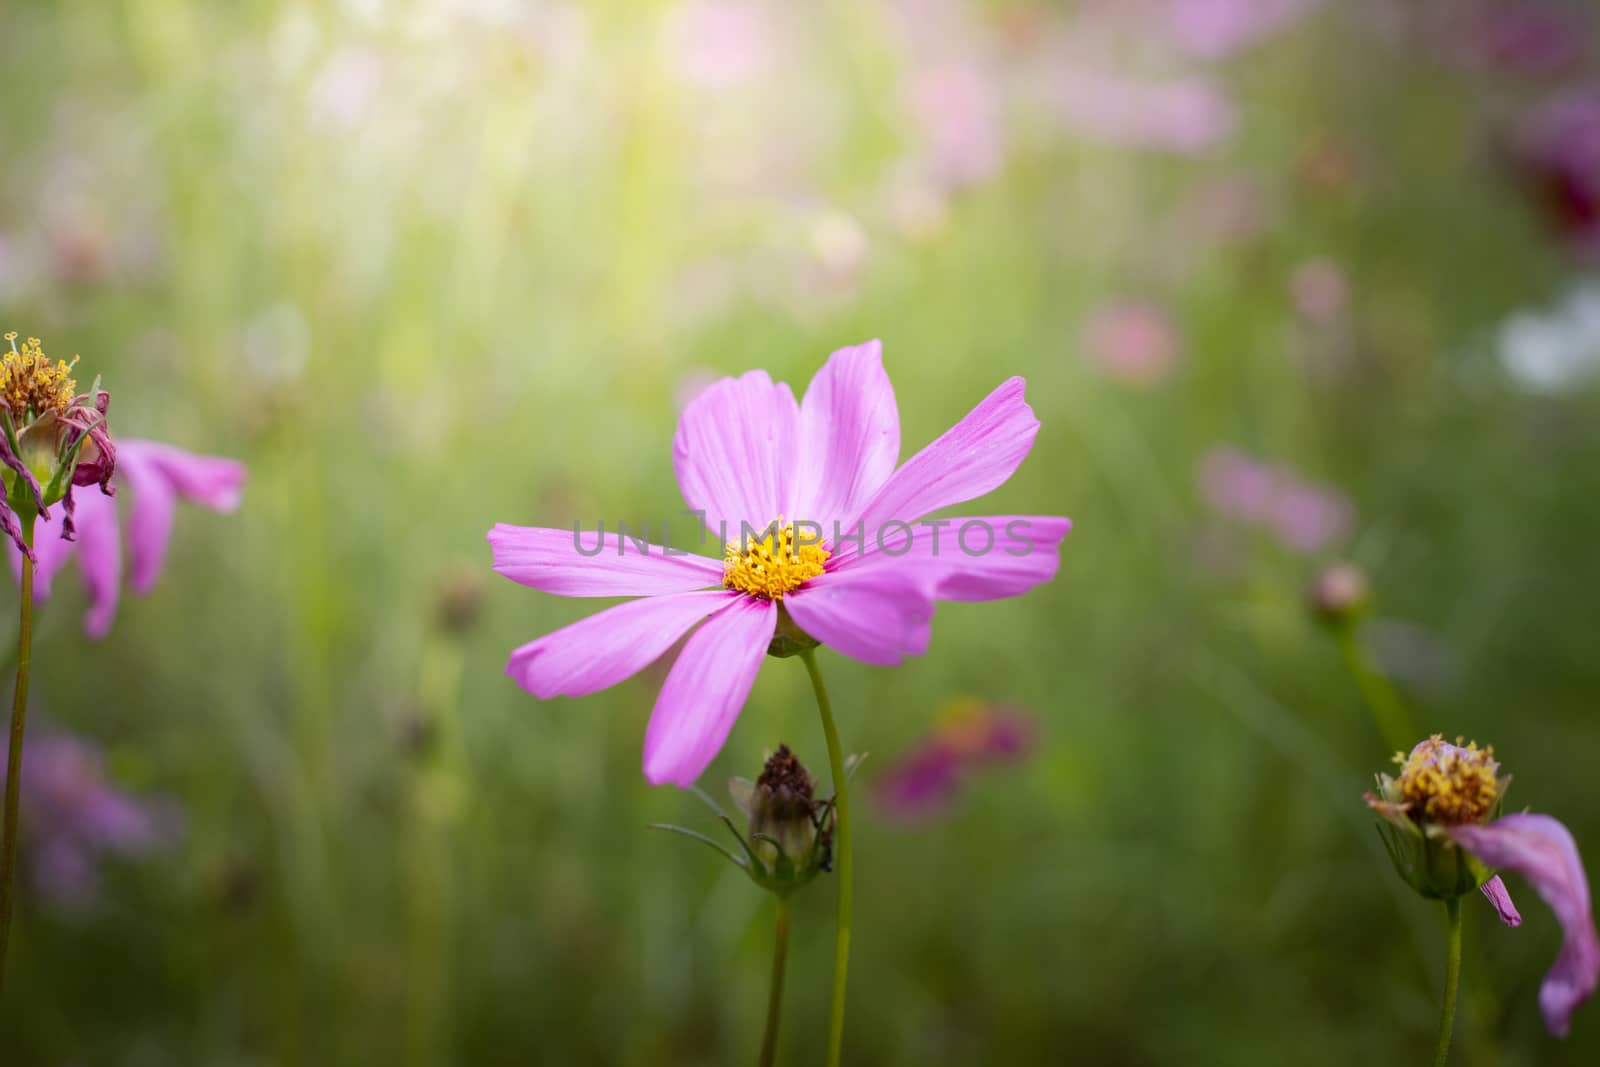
(1449, 784)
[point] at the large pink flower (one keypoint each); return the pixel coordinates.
(748, 455)
(157, 476)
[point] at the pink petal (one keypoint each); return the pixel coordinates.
(156, 476)
(734, 453)
(970, 558)
(149, 523)
(582, 564)
(706, 690)
(877, 616)
(214, 482)
(100, 559)
(615, 644)
(973, 457)
(1495, 891)
(1541, 850)
(849, 434)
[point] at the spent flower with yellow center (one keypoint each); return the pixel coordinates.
(773, 561)
(31, 385)
(1448, 783)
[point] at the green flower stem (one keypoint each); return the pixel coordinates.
(19, 718)
(841, 943)
(1452, 980)
(780, 956)
(1388, 710)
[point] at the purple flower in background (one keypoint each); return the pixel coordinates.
(1214, 29)
(762, 471)
(1305, 517)
(74, 817)
(1558, 148)
(1440, 828)
(969, 736)
(1132, 341)
(156, 476)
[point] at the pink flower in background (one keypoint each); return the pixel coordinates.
(969, 736)
(1186, 116)
(1320, 291)
(766, 470)
(1305, 517)
(1558, 148)
(1132, 341)
(958, 110)
(1214, 29)
(73, 816)
(156, 477)
(1523, 36)
(720, 43)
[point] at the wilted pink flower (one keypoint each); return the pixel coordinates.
(1446, 795)
(1305, 517)
(1559, 148)
(970, 735)
(73, 816)
(157, 476)
(817, 522)
(1217, 28)
(1132, 341)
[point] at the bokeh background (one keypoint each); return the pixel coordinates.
(1291, 283)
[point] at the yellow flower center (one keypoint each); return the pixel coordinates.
(772, 561)
(1450, 784)
(30, 385)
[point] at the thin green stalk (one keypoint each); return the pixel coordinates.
(19, 718)
(841, 943)
(1452, 980)
(780, 956)
(1388, 710)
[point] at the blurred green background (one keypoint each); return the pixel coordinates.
(429, 265)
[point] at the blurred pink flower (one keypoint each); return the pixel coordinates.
(73, 816)
(1187, 116)
(157, 476)
(750, 458)
(1133, 342)
(1558, 148)
(1214, 29)
(958, 110)
(1306, 518)
(720, 43)
(969, 736)
(1320, 291)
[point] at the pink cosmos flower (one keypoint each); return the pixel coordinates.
(1305, 517)
(771, 471)
(157, 476)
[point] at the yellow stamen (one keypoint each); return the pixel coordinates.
(774, 564)
(30, 385)
(1448, 783)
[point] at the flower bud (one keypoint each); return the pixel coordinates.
(790, 831)
(1340, 594)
